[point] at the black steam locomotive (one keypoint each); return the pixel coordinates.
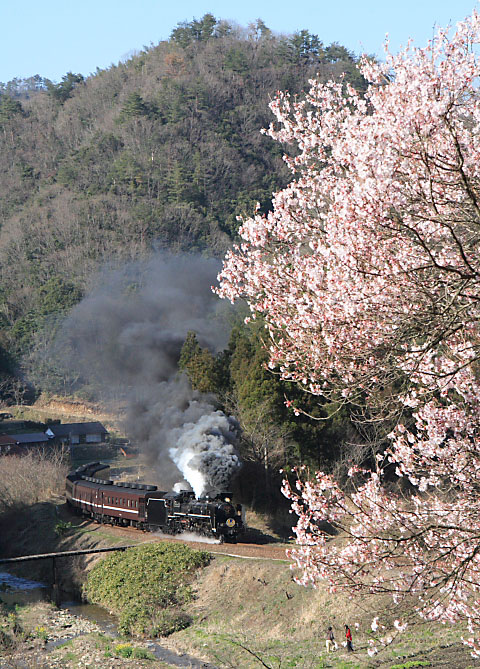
(147, 508)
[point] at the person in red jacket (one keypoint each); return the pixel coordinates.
(348, 636)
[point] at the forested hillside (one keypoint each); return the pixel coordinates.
(162, 151)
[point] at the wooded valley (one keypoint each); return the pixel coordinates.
(160, 152)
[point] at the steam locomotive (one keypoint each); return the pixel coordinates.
(147, 508)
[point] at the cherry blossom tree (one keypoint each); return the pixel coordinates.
(367, 274)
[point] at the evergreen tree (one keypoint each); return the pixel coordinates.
(200, 365)
(62, 91)
(9, 108)
(134, 106)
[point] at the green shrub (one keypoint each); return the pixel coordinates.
(128, 651)
(62, 527)
(41, 633)
(124, 650)
(146, 586)
(142, 654)
(167, 622)
(410, 664)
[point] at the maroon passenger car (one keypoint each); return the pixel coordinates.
(145, 507)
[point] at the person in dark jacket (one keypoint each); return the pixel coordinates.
(348, 636)
(330, 642)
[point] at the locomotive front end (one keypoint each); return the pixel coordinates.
(228, 519)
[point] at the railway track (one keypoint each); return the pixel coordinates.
(265, 551)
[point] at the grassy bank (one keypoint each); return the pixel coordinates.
(251, 614)
(147, 587)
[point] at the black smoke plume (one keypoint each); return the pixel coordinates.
(125, 338)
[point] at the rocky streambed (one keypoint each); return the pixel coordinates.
(35, 634)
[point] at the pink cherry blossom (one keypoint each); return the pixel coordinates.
(367, 275)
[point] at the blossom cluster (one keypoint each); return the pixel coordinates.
(370, 256)
(367, 274)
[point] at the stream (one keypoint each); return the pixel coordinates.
(18, 590)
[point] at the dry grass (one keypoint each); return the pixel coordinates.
(251, 595)
(244, 607)
(277, 524)
(31, 478)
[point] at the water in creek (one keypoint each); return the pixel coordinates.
(11, 582)
(96, 614)
(17, 590)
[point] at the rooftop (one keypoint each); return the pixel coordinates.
(67, 429)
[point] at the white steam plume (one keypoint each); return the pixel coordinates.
(205, 452)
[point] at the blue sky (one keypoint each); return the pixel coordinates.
(53, 37)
